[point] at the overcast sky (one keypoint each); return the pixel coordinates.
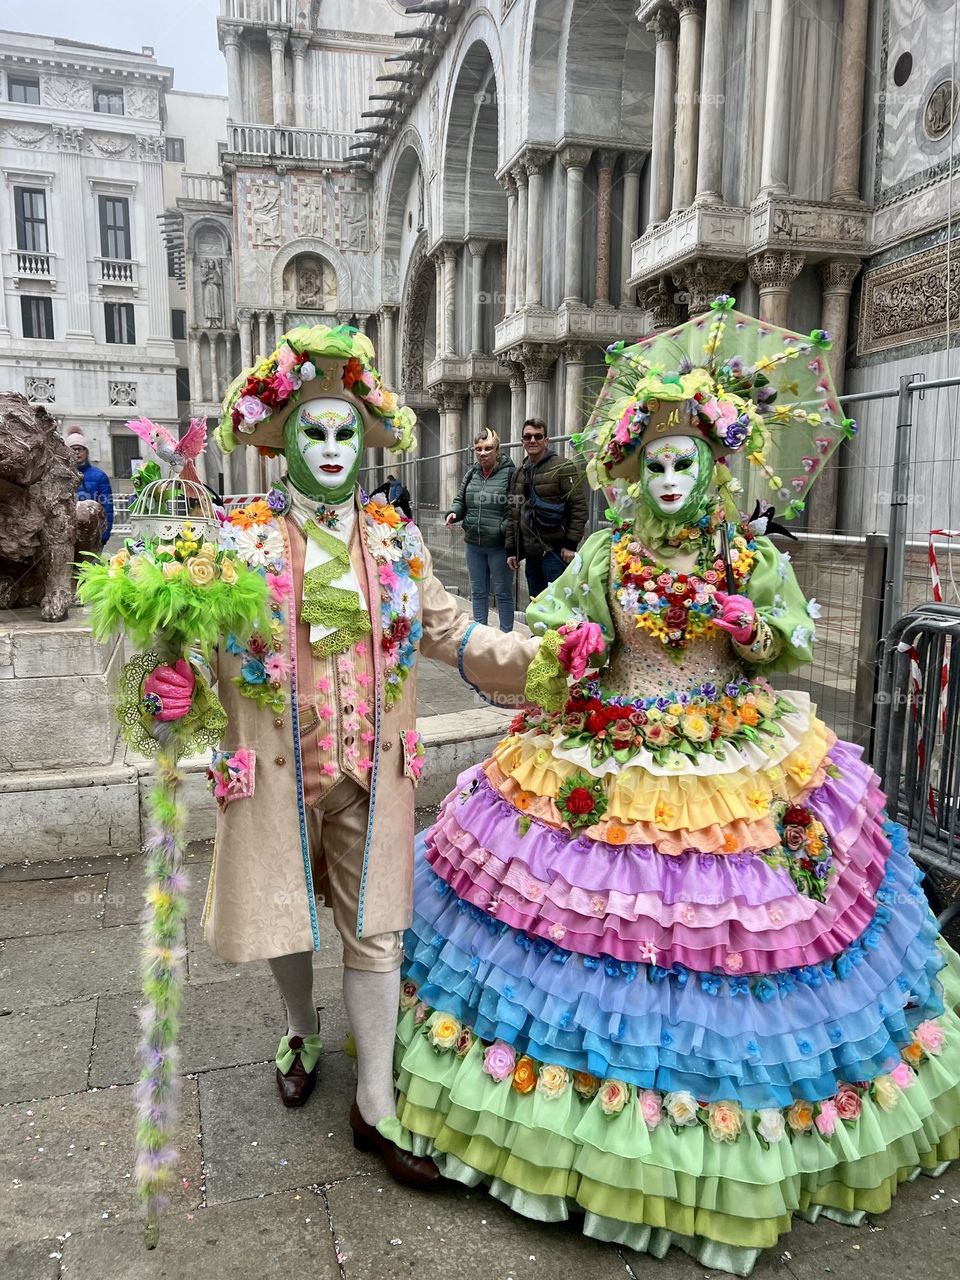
(183, 32)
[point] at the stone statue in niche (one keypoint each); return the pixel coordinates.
(354, 219)
(316, 285)
(311, 211)
(265, 215)
(212, 281)
(44, 528)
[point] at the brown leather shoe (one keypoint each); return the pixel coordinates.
(296, 1086)
(418, 1172)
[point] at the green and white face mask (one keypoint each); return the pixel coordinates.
(675, 474)
(323, 443)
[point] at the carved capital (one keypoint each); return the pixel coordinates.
(606, 159)
(575, 353)
(772, 270)
(575, 157)
(661, 302)
(703, 278)
(299, 46)
(688, 8)
(68, 137)
(839, 274)
(244, 315)
(477, 247)
(480, 390)
(663, 24)
(277, 39)
(509, 183)
(449, 396)
(230, 35)
(633, 162)
(150, 148)
(535, 161)
(537, 360)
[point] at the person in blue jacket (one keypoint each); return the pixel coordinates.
(94, 483)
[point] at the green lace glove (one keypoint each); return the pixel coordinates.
(546, 684)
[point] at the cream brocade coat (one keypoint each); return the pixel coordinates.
(260, 901)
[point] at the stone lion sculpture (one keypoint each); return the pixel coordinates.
(44, 529)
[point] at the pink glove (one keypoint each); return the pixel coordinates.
(737, 615)
(168, 691)
(581, 641)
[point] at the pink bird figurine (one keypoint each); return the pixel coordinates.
(166, 446)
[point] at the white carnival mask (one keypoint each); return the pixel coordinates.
(329, 440)
(671, 466)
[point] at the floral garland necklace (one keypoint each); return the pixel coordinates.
(671, 606)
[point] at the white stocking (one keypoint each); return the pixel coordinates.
(372, 1000)
(294, 977)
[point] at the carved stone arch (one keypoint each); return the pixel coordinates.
(419, 295)
(320, 249)
(408, 160)
(209, 237)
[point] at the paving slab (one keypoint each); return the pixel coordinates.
(253, 1145)
(46, 1051)
(64, 869)
(282, 1235)
(930, 1249)
(388, 1232)
(220, 1026)
(38, 1260)
(69, 905)
(68, 966)
(67, 1163)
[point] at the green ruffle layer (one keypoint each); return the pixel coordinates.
(722, 1202)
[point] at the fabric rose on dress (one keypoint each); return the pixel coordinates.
(770, 1125)
(464, 1041)
(252, 409)
(445, 1032)
(848, 1102)
(827, 1117)
(724, 1121)
(902, 1076)
(553, 1080)
(650, 1108)
(524, 1074)
(499, 1060)
(408, 994)
(613, 1097)
(885, 1092)
(930, 1037)
(800, 1116)
(585, 1084)
(681, 1108)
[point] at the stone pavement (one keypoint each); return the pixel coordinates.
(263, 1191)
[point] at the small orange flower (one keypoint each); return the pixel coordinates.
(749, 714)
(615, 834)
(730, 844)
(352, 372)
(522, 800)
(416, 567)
(259, 512)
(239, 517)
(729, 722)
(384, 514)
(524, 1075)
(913, 1054)
(585, 1084)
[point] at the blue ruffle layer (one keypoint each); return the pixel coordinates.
(799, 1037)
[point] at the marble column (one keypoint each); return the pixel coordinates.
(387, 370)
(76, 259)
(510, 187)
(278, 41)
(501, 299)
(518, 402)
(158, 291)
(197, 391)
(574, 161)
(477, 250)
(710, 149)
(704, 278)
(216, 366)
(479, 395)
(231, 49)
(535, 163)
(262, 327)
(774, 273)
(246, 336)
(538, 360)
(298, 47)
(664, 26)
(605, 163)
(520, 279)
(449, 397)
(573, 407)
(837, 277)
(775, 155)
(279, 326)
(449, 253)
(846, 161)
(689, 52)
(630, 222)
(438, 303)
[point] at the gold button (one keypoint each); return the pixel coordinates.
(278, 723)
(386, 745)
(279, 759)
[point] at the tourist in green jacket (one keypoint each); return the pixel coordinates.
(481, 507)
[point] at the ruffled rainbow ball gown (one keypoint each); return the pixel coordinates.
(671, 967)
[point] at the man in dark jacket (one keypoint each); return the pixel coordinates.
(94, 484)
(548, 510)
(396, 494)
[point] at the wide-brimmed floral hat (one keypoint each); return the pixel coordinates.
(307, 364)
(746, 386)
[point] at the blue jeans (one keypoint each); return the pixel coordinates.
(487, 565)
(542, 570)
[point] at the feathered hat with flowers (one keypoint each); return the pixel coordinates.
(309, 363)
(745, 386)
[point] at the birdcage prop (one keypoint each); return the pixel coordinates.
(162, 508)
